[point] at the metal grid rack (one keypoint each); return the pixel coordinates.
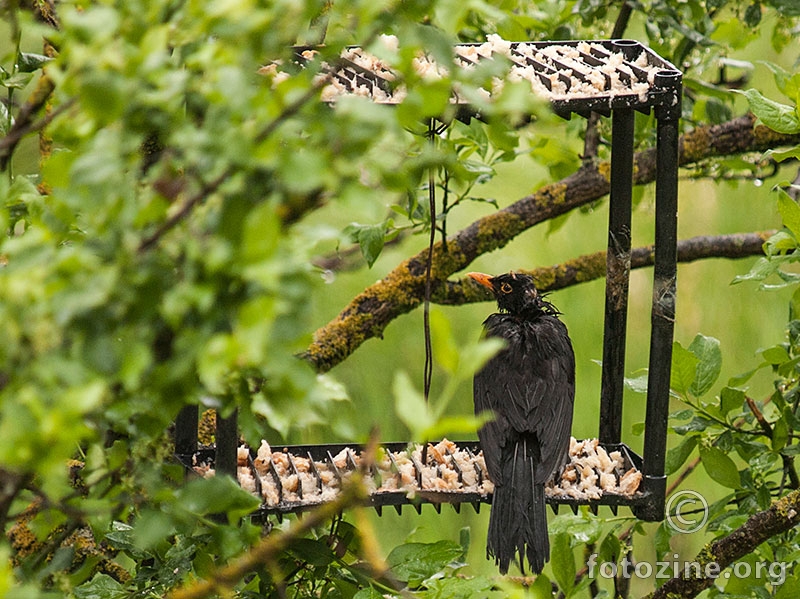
(612, 78)
(577, 77)
(327, 467)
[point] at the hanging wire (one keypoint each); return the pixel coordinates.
(433, 131)
(428, 372)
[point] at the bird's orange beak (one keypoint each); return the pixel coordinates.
(485, 280)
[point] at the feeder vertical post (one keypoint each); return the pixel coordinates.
(225, 460)
(618, 266)
(186, 431)
(664, 292)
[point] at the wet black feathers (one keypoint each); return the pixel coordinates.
(530, 386)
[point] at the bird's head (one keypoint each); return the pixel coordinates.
(515, 293)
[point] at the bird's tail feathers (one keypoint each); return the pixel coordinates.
(518, 520)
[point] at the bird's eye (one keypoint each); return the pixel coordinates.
(505, 288)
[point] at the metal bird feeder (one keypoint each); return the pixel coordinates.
(612, 78)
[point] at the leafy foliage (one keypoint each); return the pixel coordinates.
(158, 258)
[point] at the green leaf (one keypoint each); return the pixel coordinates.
(752, 15)
(610, 549)
(720, 467)
(783, 154)
(761, 269)
(6, 122)
(17, 81)
(563, 562)
(462, 425)
(730, 399)
(789, 587)
(451, 587)
(684, 414)
(445, 350)
(152, 527)
(580, 529)
(370, 238)
(217, 495)
(664, 533)
(709, 364)
(775, 355)
(790, 212)
(101, 586)
(368, 593)
(312, 551)
(473, 357)
(415, 562)
(29, 62)
(742, 378)
(410, 406)
(542, 588)
(780, 243)
(791, 418)
(122, 537)
(697, 424)
(788, 83)
(786, 8)
(794, 305)
(684, 368)
(260, 234)
(677, 455)
(778, 117)
(637, 384)
(780, 434)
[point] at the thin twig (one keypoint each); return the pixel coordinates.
(266, 551)
(11, 483)
(788, 461)
(207, 189)
(210, 187)
(24, 123)
(765, 426)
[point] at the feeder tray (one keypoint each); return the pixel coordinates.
(615, 78)
(577, 77)
(298, 478)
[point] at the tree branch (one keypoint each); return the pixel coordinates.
(24, 123)
(368, 314)
(593, 266)
(782, 515)
(212, 186)
(266, 551)
(788, 461)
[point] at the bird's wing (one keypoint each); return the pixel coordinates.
(530, 387)
(550, 394)
(488, 398)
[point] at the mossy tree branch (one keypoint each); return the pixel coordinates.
(593, 266)
(368, 314)
(782, 515)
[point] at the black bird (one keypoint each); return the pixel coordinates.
(530, 387)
